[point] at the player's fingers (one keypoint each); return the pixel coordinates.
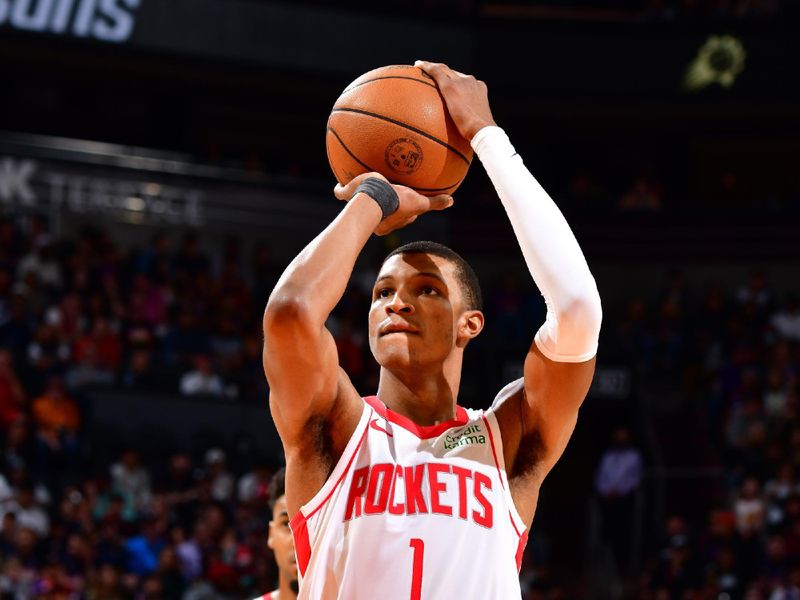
(439, 71)
(440, 202)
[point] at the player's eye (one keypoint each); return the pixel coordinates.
(383, 293)
(428, 290)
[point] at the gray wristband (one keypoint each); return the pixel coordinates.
(382, 192)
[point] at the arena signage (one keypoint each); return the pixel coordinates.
(105, 20)
(27, 183)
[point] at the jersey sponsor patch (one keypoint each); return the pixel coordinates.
(465, 437)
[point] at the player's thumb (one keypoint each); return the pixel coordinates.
(342, 192)
(440, 202)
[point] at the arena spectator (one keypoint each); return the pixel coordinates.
(12, 395)
(41, 262)
(55, 413)
(180, 488)
(202, 380)
(254, 486)
(27, 512)
(617, 479)
(220, 481)
(144, 549)
(749, 508)
(131, 479)
(48, 353)
(141, 375)
(787, 321)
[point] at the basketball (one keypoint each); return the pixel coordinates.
(393, 121)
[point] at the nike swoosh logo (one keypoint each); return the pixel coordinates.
(376, 427)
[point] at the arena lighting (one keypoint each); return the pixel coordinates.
(719, 60)
(135, 203)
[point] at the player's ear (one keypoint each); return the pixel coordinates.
(469, 326)
(270, 541)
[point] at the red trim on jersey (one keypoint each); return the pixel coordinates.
(333, 489)
(302, 544)
(523, 537)
(514, 525)
(523, 541)
(299, 523)
(423, 432)
(494, 455)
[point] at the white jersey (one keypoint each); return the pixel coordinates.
(412, 513)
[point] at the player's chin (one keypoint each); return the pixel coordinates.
(393, 353)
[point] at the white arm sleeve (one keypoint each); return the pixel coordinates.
(554, 258)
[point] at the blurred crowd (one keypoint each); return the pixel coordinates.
(82, 313)
(729, 359)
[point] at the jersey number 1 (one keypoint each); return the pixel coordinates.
(418, 546)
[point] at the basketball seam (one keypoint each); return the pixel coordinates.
(407, 126)
(366, 166)
(352, 87)
(346, 149)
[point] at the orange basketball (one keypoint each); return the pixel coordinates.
(394, 121)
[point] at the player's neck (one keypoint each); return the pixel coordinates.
(285, 591)
(425, 398)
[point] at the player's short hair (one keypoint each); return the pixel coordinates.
(277, 487)
(470, 286)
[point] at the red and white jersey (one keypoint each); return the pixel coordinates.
(270, 596)
(411, 513)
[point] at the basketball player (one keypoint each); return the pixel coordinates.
(406, 495)
(280, 541)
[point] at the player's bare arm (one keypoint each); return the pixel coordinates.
(539, 415)
(313, 403)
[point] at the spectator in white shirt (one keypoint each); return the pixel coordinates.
(202, 381)
(787, 321)
(29, 515)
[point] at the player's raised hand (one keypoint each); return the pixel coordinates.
(467, 98)
(412, 204)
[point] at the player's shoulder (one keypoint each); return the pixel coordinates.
(514, 389)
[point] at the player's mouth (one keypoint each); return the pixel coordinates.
(397, 327)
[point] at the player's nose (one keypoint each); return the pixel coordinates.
(399, 306)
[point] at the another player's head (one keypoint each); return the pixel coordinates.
(426, 304)
(280, 538)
